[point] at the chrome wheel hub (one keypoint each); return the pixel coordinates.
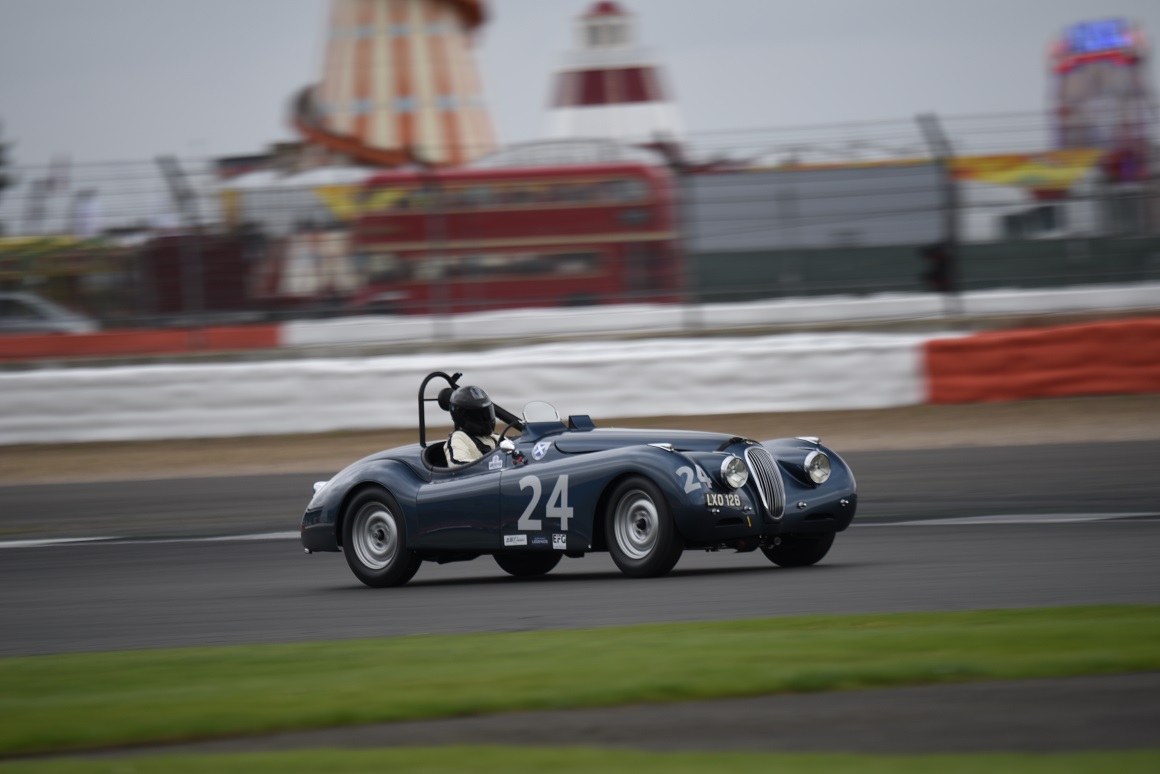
(376, 536)
(636, 525)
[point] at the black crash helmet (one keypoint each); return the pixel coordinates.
(472, 411)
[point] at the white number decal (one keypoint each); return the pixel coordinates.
(526, 522)
(558, 507)
(703, 477)
(687, 472)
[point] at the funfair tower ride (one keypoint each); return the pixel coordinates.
(1103, 96)
(399, 84)
(609, 87)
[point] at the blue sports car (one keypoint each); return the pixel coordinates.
(564, 487)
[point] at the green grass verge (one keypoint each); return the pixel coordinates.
(513, 760)
(63, 701)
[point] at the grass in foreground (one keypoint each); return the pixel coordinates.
(513, 760)
(58, 702)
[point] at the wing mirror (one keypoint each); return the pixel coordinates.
(507, 445)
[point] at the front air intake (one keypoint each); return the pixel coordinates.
(768, 477)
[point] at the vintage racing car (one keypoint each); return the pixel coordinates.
(559, 488)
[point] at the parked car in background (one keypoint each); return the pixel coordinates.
(29, 313)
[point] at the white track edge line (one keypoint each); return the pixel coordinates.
(963, 521)
(47, 542)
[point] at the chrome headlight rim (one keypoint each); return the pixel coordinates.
(818, 467)
(734, 472)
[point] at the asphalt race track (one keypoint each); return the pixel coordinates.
(170, 591)
(1115, 477)
(146, 594)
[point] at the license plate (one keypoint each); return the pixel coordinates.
(718, 500)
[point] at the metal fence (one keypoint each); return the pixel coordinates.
(844, 209)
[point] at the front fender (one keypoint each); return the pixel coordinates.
(322, 522)
(685, 478)
(809, 507)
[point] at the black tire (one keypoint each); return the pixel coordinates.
(639, 529)
(528, 564)
(799, 550)
(374, 540)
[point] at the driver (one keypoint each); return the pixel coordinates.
(474, 436)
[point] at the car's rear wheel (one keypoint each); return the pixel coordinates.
(374, 540)
(799, 550)
(527, 565)
(641, 535)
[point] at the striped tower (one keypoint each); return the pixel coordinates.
(609, 87)
(399, 84)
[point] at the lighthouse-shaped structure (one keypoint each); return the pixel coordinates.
(399, 84)
(609, 87)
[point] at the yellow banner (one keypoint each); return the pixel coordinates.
(1049, 171)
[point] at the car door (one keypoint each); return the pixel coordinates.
(548, 503)
(459, 508)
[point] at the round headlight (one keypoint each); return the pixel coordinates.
(818, 466)
(734, 472)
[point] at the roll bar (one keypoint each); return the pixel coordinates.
(443, 399)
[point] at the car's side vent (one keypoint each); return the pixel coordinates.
(768, 477)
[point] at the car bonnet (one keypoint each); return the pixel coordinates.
(616, 438)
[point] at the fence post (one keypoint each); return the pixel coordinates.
(943, 154)
(185, 201)
(691, 300)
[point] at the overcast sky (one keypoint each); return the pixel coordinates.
(104, 80)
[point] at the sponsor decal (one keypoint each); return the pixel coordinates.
(540, 449)
(496, 463)
(539, 540)
(559, 542)
(515, 540)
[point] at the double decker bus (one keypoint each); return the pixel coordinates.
(461, 240)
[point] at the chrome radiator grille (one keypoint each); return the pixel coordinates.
(768, 477)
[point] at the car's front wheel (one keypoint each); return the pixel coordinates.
(374, 540)
(641, 535)
(799, 550)
(527, 565)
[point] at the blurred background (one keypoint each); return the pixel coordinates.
(235, 236)
(291, 160)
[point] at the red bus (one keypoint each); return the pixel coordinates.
(472, 239)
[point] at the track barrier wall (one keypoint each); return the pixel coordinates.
(607, 379)
(130, 343)
(1096, 359)
(539, 324)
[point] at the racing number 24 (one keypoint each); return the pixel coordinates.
(557, 508)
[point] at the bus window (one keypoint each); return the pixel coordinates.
(481, 196)
(383, 267)
(577, 263)
(636, 216)
(430, 268)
